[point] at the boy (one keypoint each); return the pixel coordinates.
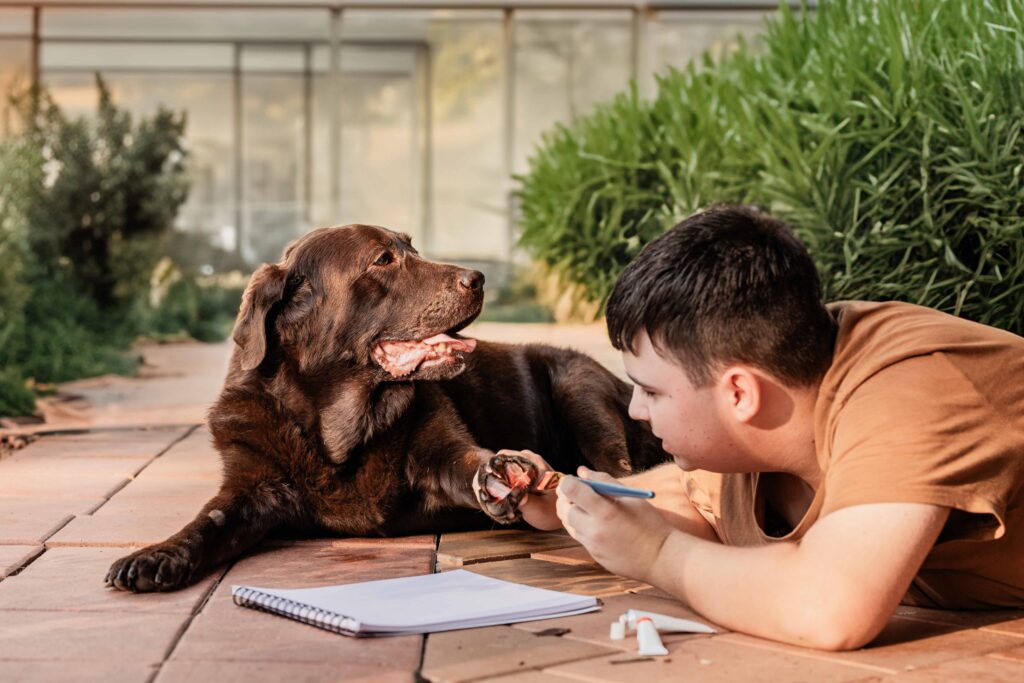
(832, 461)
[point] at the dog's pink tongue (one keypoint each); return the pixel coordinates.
(467, 345)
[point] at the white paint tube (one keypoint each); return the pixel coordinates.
(647, 638)
(667, 624)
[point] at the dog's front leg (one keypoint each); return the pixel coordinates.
(233, 521)
(459, 473)
(450, 469)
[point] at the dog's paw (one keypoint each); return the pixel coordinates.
(161, 567)
(500, 484)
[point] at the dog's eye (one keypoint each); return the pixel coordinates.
(384, 259)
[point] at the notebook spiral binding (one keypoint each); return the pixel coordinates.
(330, 621)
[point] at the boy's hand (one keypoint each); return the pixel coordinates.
(624, 535)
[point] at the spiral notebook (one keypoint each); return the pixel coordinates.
(415, 604)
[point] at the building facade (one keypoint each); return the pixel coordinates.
(414, 116)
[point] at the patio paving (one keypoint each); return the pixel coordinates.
(127, 461)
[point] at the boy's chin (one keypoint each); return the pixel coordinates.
(683, 464)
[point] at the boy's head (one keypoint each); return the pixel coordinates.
(729, 285)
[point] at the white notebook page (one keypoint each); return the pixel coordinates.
(448, 599)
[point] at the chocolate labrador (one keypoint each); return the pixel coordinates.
(352, 406)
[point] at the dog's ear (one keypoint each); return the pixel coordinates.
(300, 299)
(266, 288)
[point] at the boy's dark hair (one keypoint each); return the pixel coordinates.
(727, 285)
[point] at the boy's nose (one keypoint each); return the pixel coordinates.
(636, 410)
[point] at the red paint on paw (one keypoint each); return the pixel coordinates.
(516, 476)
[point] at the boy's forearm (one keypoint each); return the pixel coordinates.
(835, 589)
(761, 591)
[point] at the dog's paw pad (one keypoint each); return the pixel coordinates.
(501, 484)
(161, 567)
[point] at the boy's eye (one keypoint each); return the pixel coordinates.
(646, 393)
(384, 259)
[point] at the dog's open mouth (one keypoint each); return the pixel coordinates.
(402, 358)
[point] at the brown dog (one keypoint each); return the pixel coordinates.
(352, 406)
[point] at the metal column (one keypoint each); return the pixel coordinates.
(334, 116)
(509, 127)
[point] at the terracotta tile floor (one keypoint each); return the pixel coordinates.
(72, 503)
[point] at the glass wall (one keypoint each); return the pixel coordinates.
(380, 110)
(241, 78)
(194, 79)
(464, 215)
(565, 63)
(273, 128)
(417, 124)
(676, 38)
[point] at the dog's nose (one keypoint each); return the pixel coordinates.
(471, 280)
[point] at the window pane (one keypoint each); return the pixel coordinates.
(468, 219)
(135, 56)
(274, 60)
(679, 37)
(381, 157)
(15, 22)
(273, 164)
(187, 24)
(565, 63)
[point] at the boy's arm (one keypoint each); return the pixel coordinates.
(835, 589)
(670, 500)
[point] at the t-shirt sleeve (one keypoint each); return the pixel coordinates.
(919, 431)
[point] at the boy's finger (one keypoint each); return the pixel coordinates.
(582, 495)
(593, 475)
(573, 518)
(562, 509)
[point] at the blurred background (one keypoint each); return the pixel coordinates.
(153, 152)
(411, 117)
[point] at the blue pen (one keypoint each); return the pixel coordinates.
(615, 490)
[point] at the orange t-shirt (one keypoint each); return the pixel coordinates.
(917, 407)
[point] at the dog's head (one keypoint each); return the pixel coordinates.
(359, 295)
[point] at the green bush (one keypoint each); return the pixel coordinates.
(66, 336)
(16, 161)
(101, 210)
(85, 211)
(15, 397)
(516, 302)
(196, 308)
(888, 134)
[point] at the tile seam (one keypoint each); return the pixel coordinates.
(25, 561)
(180, 633)
(434, 566)
(187, 433)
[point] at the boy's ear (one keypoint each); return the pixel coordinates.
(742, 392)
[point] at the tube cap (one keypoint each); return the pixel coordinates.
(618, 631)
